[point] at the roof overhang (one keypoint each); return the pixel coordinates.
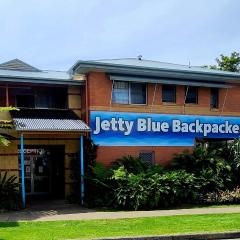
(50, 125)
(84, 67)
(41, 81)
(168, 81)
(44, 120)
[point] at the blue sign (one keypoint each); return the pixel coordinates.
(147, 129)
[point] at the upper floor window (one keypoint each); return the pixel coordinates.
(169, 93)
(25, 101)
(2, 97)
(40, 98)
(214, 97)
(129, 93)
(191, 95)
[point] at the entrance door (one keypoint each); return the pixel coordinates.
(36, 166)
(44, 170)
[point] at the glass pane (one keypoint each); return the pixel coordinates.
(44, 101)
(25, 101)
(2, 97)
(138, 93)
(192, 95)
(169, 93)
(120, 93)
(214, 98)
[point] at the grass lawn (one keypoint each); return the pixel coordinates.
(90, 229)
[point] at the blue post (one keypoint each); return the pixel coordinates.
(22, 172)
(82, 168)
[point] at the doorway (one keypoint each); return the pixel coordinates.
(44, 170)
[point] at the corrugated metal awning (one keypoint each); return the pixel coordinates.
(48, 121)
(114, 77)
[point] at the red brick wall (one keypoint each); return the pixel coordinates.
(163, 155)
(100, 88)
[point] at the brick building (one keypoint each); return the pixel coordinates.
(133, 107)
(47, 129)
(131, 88)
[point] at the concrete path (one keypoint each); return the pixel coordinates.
(74, 212)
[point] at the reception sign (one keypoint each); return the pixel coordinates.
(147, 129)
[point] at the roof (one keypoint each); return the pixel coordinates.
(48, 120)
(161, 65)
(17, 64)
(141, 67)
(18, 71)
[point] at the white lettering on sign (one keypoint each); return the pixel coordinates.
(113, 125)
(175, 126)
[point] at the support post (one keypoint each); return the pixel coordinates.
(82, 169)
(22, 171)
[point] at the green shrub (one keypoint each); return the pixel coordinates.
(153, 191)
(90, 151)
(209, 165)
(223, 197)
(101, 192)
(9, 192)
(131, 191)
(131, 184)
(131, 164)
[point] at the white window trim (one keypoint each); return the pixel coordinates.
(129, 95)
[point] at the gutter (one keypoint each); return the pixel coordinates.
(87, 66)
(44, 81)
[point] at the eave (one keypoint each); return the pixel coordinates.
(41, 81)
(84, 67)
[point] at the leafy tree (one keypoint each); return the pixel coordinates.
(5, 124)
(228, 63)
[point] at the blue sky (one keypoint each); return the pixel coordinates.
(53, 34)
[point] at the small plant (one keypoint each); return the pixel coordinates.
(223, 197)
(9, 192)
(6, 124)
(131, 164)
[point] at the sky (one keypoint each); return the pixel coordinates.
(54, 34)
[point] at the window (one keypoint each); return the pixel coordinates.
(44, 101)
(120, 92)
(129, 93)
(214, 97)
(40, 97)
(25, 101)
(168, 93)
(147, 157)
(137, 93)
(2, 97)
(191, 94)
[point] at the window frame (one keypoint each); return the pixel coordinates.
(36, 94)
(24, 95)
(217, 100)
(175, 93)
(3, 100)
(186, 93)
(148, 152)
(129, 93)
